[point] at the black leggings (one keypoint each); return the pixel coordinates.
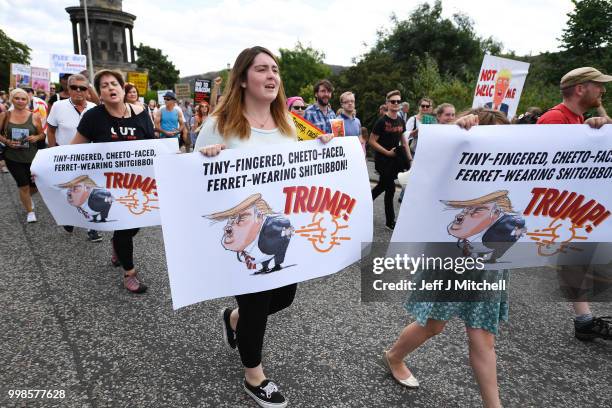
(386, 183)
(124, 247)
(254, 309)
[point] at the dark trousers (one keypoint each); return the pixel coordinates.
(254, 309)
(386, 184)
(123, 245)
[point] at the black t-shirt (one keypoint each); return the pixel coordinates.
(389, 133)
(99, 126)
(53, 99)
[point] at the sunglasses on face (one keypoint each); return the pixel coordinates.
(425, 106)
(395, 101)
(78, 88)
(298, 107)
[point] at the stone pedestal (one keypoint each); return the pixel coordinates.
(110, 28)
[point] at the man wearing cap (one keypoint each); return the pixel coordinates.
(90, 200)
(582, 89)
(255, 233)
(169, 121)
(489, 218)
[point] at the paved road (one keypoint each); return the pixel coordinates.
(68, 325)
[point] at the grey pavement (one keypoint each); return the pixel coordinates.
(69, 325)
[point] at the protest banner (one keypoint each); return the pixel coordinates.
(102, 186)
(140, 81)
(160, 96)
(41, 79)
(183, 91)
(202, 90)
(500, 84)
(68, 63)
(250, 220)
(21, 75)
(305, 129)
(517, 196)
(337, 126)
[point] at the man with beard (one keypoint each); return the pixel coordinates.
(582, 89)
(320, 113)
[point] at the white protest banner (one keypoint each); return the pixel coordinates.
(260, 218)
(493, 187)
(67, 63)
(21, 75)
(41, 78)
(160, 96)
(102, 186)
(500, 84)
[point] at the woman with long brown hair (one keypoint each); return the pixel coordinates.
(252, 113)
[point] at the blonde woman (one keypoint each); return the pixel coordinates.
(20, 130)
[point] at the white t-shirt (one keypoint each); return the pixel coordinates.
(65, 117)
(209, 135)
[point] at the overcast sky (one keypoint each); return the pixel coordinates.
(203, 35)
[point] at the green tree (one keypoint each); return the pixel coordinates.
(11, 51)
(586, 41)
(589, 28)
(300, 68)
(162, 73)
(425, 54)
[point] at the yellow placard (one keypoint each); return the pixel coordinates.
(140, 81)
(305, 129)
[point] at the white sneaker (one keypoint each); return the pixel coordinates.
(31, 217)
(4, 170)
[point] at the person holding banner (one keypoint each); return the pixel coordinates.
(582, 89)
(481, 318)
(20, 130)
(114, 121)
(296, 105)
(252, 112)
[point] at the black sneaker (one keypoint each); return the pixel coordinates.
(68, 228)
(229, 335)
(598, 327)
(390, 226)
(93, 236)
(266, 395)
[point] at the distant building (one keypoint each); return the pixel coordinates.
(110, 29)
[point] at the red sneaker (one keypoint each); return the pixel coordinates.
(132, 284)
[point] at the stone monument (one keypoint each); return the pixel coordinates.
(108, 25)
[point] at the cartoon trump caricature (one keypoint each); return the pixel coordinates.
(255, 233)
(91, 201)
(489, 219)
(502, 84)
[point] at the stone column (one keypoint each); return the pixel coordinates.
(75, 37)
(111, 45)
(132, 47)
(124, 44)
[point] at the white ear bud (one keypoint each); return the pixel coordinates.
(243, 84)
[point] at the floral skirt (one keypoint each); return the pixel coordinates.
(478, 315)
